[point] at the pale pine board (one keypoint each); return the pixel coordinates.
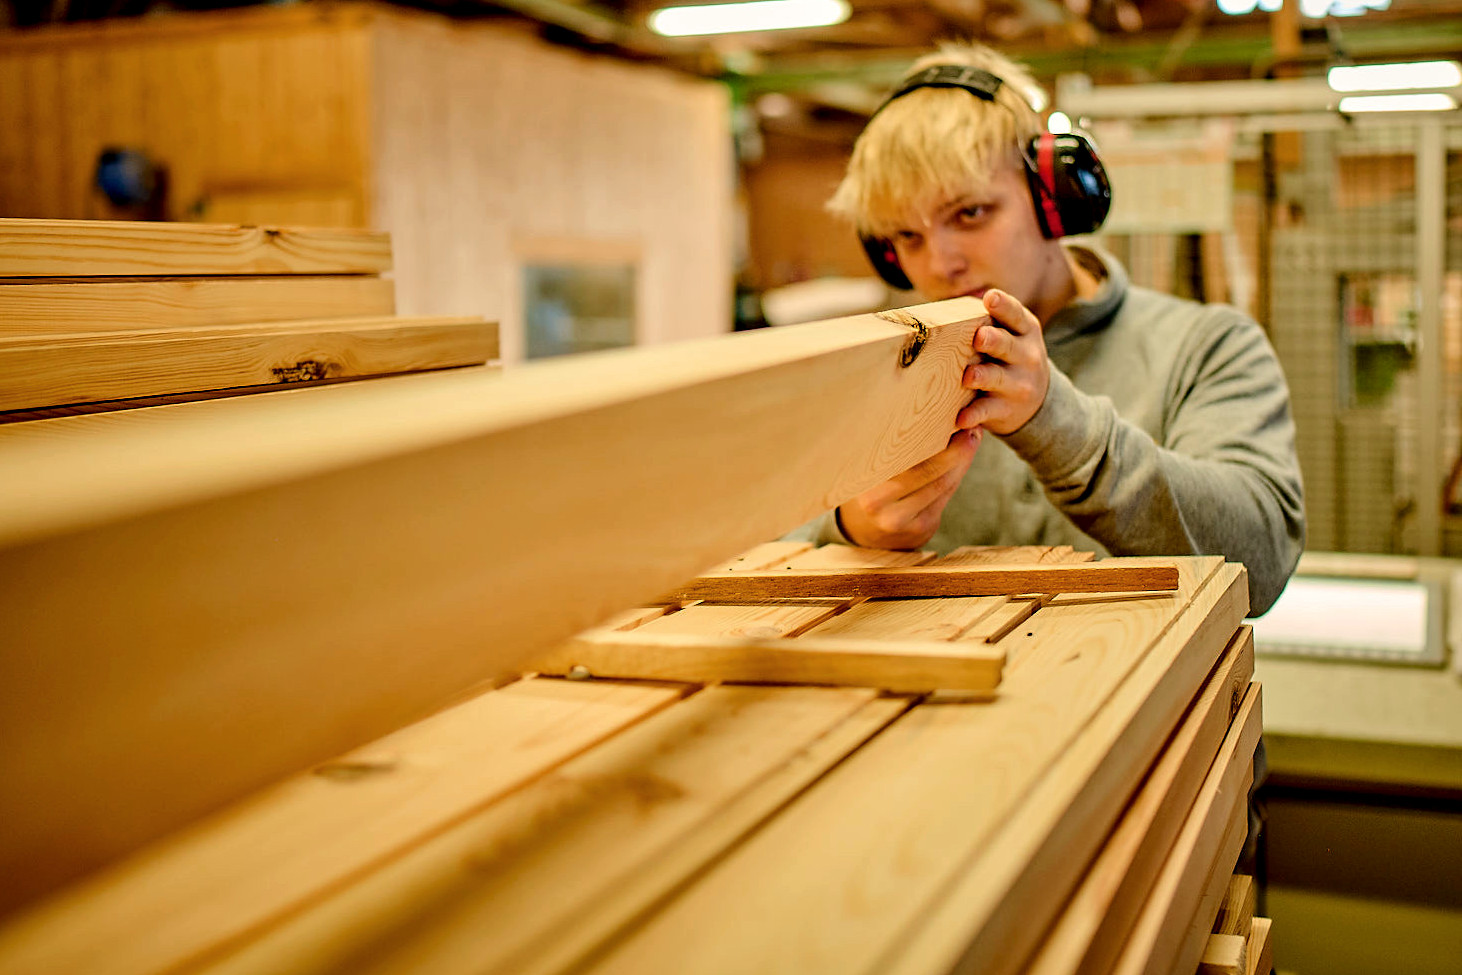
(287, 846)
(1009, 889)
(851, 557)
(425, 515)
(915, 803)
(1175, 921)
(1236, 913)
(37, 373)
(539, 879)
(762, 556)
(1261, 951)
(755, 621)
(906, 667)
(86, 248)
(1095, 922)
(910, 619)
(43, 308)
(1109, 575)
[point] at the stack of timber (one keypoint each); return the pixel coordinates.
(291, 705)
(96, 315)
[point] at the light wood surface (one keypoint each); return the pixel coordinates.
(1092, 927)
(272, 549)
(43, 306)
(1261, 951)
(292, 843)
(538, 882)
(1236, 913)
(1110, 575)
(1224, 954)
(71, 248)
(925, 801)
(992, 916)
(906, 667)
(1173, 924)
(52, 370)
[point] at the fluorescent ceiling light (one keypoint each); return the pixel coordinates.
(1396, 77)
(1422, 102)
(730, 18)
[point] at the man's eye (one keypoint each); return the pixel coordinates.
(971, 214)
(907, 237)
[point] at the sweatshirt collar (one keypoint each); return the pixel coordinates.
(1097, 312)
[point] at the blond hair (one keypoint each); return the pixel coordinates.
(936, 144)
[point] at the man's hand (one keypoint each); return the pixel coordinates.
(904, 511)
(1010, 385)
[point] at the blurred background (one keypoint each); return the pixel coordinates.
(579, 175)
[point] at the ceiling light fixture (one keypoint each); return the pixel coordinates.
(1396, 77)
(1421, 102)
(731, 18)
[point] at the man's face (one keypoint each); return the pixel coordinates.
(967, 245)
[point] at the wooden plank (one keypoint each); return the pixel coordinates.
(920, 802)
(910, 619)
(37, 373)
(213, 883)
(1261, 952)
(1224, 954)
(906, 667)
(106, 248)
(537, 882)
(40, 306)
(1002, 620)
(998, 554)
(766, 621)
(853, 557)
(259, 551)
(1096, 920)
(1236, 913)
(995, 911)
(1171, 930)
(1111, 575)
(763, 556)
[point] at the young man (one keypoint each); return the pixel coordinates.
(1124, 421)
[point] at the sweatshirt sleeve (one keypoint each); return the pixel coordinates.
(1224, 481)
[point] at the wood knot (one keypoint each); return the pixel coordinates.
(304, 371)
(915, 344)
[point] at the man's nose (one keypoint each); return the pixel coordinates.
(947, 256)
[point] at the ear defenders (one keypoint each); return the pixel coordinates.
(1068, 184)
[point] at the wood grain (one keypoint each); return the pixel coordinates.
(258, 552)
(910, 619)
(921, 802)
(1173, 927)
(906, 666)
(1095, 923)
(42, 307)
(1224, 954)
(935, 580)
(536, 882)
(101, 248)
(1011, 889)
(1236, 913)
(764, 621)
(60, 369)
(211, 885)
(1261, 949)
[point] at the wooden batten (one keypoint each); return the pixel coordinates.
(54, 370)
(261, 569)
(100, 248)
(44, 306)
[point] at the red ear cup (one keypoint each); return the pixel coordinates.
(885, 261)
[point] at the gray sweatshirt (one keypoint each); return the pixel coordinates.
(1166, 431)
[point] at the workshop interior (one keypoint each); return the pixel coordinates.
(579, 239)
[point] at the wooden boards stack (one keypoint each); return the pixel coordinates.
(94, 312)
(608, 826)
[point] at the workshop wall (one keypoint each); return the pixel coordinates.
(481, 150)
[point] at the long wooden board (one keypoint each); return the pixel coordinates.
(907, 667)
(71, 248)
(535, 883)
(924, 799)
(390, 547)
(1171, 930)
(36, 373)
(40, 306)
(933, 580)
(1096, 920)
(290, 844)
